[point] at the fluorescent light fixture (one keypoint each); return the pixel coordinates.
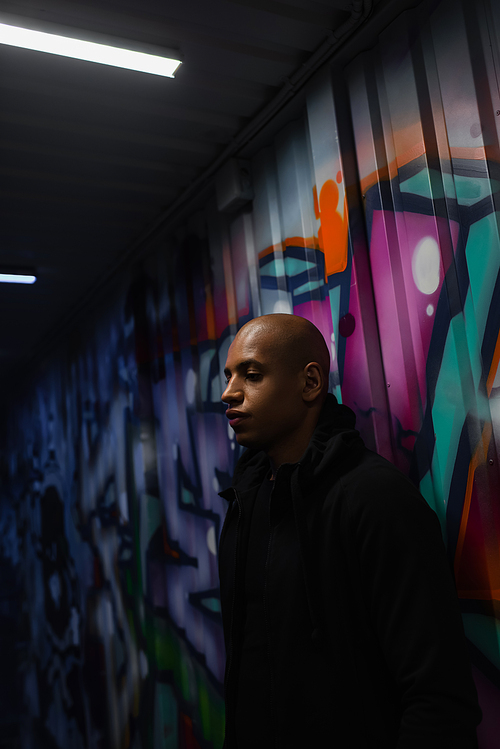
(16, 278)
(42, 41)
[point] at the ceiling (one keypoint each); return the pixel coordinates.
(91, 157)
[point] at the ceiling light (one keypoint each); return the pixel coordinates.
(55, 44)
(17, 278)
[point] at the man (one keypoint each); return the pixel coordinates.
(340, 616)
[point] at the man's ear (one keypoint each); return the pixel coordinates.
(313, 382)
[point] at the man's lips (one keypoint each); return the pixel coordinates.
(235, 417)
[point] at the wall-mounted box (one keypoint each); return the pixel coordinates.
(233, 185)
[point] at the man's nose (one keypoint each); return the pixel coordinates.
(231, 394)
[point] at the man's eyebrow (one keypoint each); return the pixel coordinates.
(244, 364)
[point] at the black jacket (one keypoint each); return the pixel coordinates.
(367, 648)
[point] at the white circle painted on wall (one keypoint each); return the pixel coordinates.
(425, 265)
(212, 546)
(190, 385)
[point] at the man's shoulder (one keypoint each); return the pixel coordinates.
(369, 466)
(373, 465)
(375, 485)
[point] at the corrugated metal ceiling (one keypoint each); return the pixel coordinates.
(91, 155)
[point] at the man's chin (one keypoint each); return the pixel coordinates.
(242, 440)
(245, 440)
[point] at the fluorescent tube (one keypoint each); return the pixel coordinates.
(16, 278)
(41, 41)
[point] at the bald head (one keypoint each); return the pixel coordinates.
(277, 380)
(296, 342)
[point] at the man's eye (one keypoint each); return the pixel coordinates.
(253, 375)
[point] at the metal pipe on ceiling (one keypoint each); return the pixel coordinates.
(360, 10)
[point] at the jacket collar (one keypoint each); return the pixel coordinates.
(333, 439)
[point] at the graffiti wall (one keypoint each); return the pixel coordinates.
(376, 217)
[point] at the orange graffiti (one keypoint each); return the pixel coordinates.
(485, 583)
(332, 236)
(478, 458)
(309, 242)
(493, 368)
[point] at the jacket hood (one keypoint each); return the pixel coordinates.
(335, 446)
(333, 441)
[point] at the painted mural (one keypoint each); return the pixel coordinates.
(376, 217)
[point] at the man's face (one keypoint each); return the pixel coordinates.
(264, 398)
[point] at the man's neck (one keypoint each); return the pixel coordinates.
(291, 455)
(295, 447)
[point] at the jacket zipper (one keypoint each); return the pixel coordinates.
(266, 618)
(224, 526)
(231, 631)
